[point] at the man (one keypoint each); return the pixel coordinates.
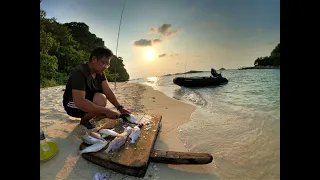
(87, 90)
(214, 73)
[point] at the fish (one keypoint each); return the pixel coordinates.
(119, 141)
(129, 117)
(90, 140)
(94, 148)
(135, 134)
(108, 132)
(96, 135)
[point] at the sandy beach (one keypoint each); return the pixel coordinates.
(66, 132)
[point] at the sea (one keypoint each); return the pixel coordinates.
(238, 122)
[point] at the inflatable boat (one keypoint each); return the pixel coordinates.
(199, 81)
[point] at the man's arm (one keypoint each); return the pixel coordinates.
(81, 102)
(109, 94)
(79, 94)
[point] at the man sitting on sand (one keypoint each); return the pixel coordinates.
(87, 90)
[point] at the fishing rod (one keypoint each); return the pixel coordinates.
(185, 64)
(115, 68)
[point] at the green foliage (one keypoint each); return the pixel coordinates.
(110, 76)
(64, 46)
(48, 67)
(80, 32)
(272, 60)
(117, 66)
(47, 83)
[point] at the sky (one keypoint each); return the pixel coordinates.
(159, 37)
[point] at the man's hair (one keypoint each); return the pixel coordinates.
(100, 52)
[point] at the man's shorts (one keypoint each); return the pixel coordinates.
(73, 110)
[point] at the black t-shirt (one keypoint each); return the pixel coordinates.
(81, 79)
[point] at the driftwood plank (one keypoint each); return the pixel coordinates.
(130, 159)
(173, 157)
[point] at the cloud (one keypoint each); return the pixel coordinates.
(164, 30)
(146, 42)
(156, 41)
(162, 55)
(168, 55)
(174, 55)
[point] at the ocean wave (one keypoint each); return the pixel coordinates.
(190, 95)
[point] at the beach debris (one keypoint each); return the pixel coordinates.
(140, 124)
(135, 134)
(96, 135)
(120, 140)
(94, 148)
(90, 140)
(100, 176)
(108, 132)
(145, 119)
(129, 117)
(147, 128)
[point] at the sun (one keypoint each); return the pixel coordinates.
(149, 54)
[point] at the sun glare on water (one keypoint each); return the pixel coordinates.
(149, 54)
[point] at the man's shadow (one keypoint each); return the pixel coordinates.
(60, 164)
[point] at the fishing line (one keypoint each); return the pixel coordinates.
(115, 68)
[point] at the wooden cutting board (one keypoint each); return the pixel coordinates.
(130, 159)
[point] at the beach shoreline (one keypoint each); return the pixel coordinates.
(66, 132)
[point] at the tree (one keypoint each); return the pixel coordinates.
(118, 66)
(80, 32)
(64, 46)
(272, 60)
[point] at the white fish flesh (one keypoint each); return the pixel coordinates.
(108, 132)
(90, 140)
(96, 135)
(119, 141)
(94, 148)
(134, 135)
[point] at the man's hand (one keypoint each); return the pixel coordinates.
(112, 114)
(124, 111)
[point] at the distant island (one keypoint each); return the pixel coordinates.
(267, 62)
